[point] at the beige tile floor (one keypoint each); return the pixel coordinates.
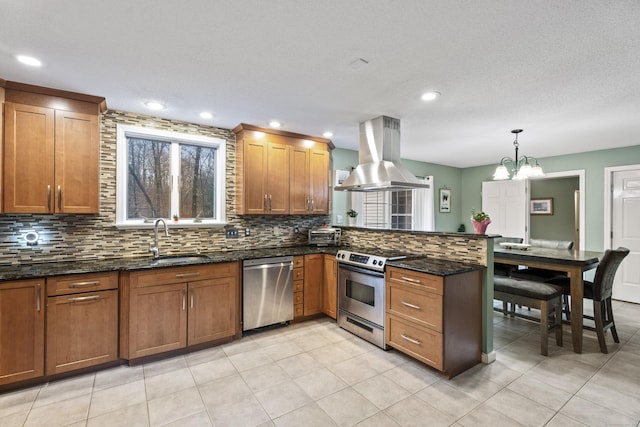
(315, 374)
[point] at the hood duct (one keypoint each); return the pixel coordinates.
(379, 167)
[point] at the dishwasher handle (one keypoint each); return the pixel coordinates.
(265, 266)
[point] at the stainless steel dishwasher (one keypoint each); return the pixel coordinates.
(267, 291)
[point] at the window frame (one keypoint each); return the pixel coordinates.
(175, 138)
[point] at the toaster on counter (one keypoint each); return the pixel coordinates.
(325, 236)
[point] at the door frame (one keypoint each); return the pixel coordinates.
(580, 174)
(608, 199)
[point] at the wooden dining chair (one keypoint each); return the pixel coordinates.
(600, 292)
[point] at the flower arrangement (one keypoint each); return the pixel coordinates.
(352, 213)
(480, 221)
(479, 216)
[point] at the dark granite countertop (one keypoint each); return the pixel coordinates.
(438, 267)
(26, 271)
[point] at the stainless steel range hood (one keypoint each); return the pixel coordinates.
(379, 167)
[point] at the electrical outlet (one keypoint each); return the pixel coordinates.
(231, 233)
(296, 229)
(247, 232)
(276, 231)
(338, 219)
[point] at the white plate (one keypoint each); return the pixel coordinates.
(521, 246)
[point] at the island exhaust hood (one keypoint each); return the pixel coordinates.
(379, 167)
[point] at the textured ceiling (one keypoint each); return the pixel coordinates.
(567, 72)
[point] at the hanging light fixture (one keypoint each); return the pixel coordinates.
(518, 167)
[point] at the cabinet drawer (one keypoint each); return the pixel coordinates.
(162, 276)
(298, 298)
(427, 282)
(419, 342)
(298, 310)
(298, 261)
(416, 304)
(298, 285)
(76, 283)
(298, 274)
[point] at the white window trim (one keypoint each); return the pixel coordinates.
(124, 131)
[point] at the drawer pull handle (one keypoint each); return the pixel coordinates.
(409, 279)
(38, 294)
(411, 340)
(192, 292)
(81, 284)
(184, 299)
(89, 298)
(187, 274)
(408, 304)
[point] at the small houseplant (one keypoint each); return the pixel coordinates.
(480, 221)
(351, 216)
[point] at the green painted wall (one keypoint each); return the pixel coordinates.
(442, 176)
(592, 162)
(561, 224)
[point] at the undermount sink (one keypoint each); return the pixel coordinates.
(180, 259)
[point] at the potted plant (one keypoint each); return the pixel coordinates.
(480, 221)
(351, 216)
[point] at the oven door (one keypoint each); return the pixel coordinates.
(361, 292)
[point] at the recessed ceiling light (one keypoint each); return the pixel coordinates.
(327, 134)
(29, 60)
(275, 124)
(430, 96)
(152, 105)
(206, 115)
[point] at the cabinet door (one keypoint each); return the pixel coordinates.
(255, 177)
(21, 330)
(212, 310)
(82, 330)
(77, 160)
(158, 319)
(28, 159)
(278, 178)
(313, 269)
(319, 181)
(299, 195)
(330, 297)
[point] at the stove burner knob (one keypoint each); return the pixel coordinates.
(375, 262)
(380, 263)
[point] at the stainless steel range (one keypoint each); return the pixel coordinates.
(361, 292)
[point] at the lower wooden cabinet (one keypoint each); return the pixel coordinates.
(21, 330)
(330, 286)
(82, 321)
(313, 272)
(435, 319)
(172, 308)
(298, 286)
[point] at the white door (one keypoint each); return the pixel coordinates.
(506, 202)
(625, 227)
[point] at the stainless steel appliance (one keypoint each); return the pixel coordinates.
(325, 236)
(361, 292)
(267, 291)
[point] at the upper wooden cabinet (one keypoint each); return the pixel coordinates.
(51, 151)
(281, 172)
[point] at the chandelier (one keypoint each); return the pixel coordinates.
(518, 167)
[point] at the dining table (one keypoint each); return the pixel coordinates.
(572, 262)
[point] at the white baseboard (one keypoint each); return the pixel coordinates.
(488, 357)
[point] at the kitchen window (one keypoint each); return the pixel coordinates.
(396, 210)
(170, 175)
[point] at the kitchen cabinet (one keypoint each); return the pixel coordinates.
(51, 151)
(172, 308)
(330, 286)
(313, 284)
(21, 330)
(435, 319)
(82, 321)
(298, 286)
(281, 172)
(309, 192)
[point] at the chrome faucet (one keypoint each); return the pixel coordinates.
(154, 248)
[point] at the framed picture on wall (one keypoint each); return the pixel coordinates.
(445, 200)
(341, 175)
(541, 206)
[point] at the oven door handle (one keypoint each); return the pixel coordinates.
(360, 270)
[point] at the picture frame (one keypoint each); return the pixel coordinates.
(341, 175)
(542, 206)
(445, 200)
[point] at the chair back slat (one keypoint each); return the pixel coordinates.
(606, 272)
